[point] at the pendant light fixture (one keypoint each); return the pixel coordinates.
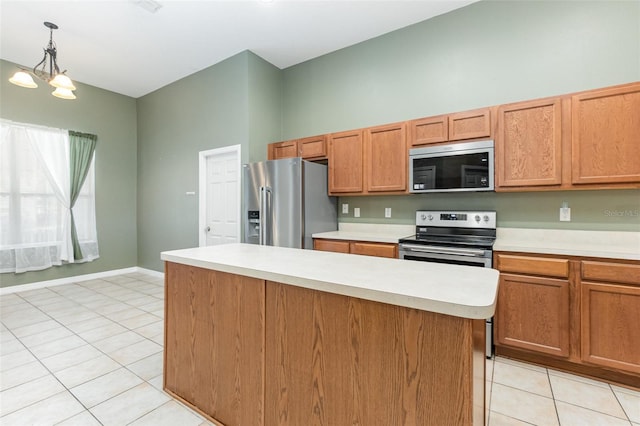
(47, 70)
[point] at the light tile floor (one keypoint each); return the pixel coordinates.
(90, 353)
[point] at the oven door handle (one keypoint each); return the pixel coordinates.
(442, 250)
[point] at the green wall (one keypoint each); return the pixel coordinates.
(236, 101)
(488, 53)
(113, 118)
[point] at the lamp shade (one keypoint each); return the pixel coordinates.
(23, 79)
(63, 82)
(63, 93)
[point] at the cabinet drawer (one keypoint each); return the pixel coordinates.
(331, 245)
(533, 265)
(374, 249)
(611, 272)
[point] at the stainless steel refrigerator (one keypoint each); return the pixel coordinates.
(285, 202)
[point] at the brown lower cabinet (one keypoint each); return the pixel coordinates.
(533, 314)
(573, 313)
(245, 351)
(357, 247)
(610, 295)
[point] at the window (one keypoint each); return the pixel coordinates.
(35, 200)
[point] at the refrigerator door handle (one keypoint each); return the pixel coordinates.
(265, 193)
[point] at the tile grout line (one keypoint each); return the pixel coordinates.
(615, 395)
(51, 373)
(553, 397)
(202, 421)
(66, 389)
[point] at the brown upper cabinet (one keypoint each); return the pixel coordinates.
(529, 144)
(605, 137)
(453, 127)
(346, 168)
(285, 149)
(310, 148)
(588, 140)
(470, 124)
(386, 158)
(313, 148)
(429, 130)
(373, 160)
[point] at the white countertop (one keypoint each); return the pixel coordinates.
(607, 244)
(462, 291)
(373, 232)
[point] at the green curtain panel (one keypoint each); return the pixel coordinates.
(81, 149)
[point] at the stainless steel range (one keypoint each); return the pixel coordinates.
(454, 237)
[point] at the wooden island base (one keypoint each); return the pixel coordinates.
(245, 351)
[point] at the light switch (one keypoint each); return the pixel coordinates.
(356, 212)
(345, 209)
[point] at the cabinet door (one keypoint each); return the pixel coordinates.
(374, 249)
(470, 125)
(345, 162)
(286, 149)
(610, 333)
(605, 137)
(313, 148)
(529, 144)
(386, 158)
(429, 130)
(533, 313)
(214, 341)
(331, 245)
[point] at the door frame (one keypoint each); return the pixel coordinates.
(202, 188)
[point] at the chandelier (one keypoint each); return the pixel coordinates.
(47, 70)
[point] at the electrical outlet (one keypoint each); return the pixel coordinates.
(387, 212)
(565, 214)
(345, 209)
(356, 212)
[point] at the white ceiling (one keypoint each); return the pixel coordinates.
(119, 46)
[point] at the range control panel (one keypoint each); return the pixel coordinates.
(458, 219)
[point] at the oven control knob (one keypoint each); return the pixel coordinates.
(477, 218)
(430, 217)
(423, 216)
(485, 218)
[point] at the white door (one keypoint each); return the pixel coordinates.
(220, 189)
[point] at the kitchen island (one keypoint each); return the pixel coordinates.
(260, 335)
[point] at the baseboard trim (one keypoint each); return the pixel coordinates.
(68, 280)
(151, 272)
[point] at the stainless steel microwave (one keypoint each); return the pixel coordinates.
(453, 167)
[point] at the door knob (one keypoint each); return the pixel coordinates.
(207, 229)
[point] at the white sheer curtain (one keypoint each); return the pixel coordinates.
(35, 219)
